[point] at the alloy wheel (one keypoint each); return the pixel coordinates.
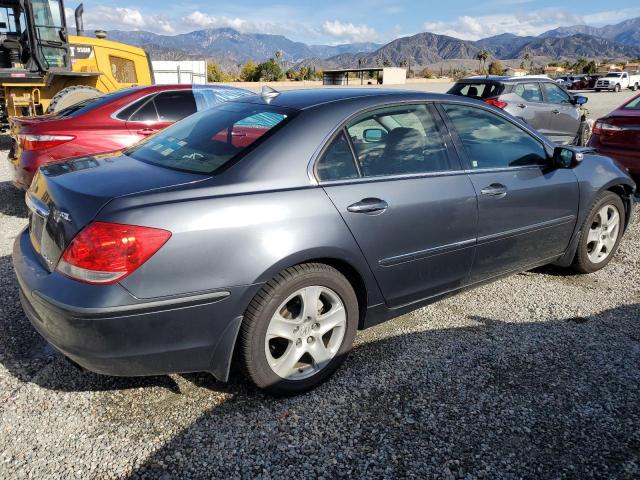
(305, 333)
(603, 233)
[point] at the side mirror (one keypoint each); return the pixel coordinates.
(373, 135)
(580, 100)
(564, 157)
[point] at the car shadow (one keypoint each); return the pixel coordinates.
(380, 410)
(12, 201)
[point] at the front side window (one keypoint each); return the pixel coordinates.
(398, 140)
(555, 94)
(491, 141)
(529, 92)
(209, 140)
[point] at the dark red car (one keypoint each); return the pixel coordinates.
(105, 124)
(618, 136)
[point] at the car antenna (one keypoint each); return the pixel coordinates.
(269, 93)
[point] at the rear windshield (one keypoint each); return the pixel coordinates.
(480, 90)
(91, 103)
(633, 104)
(210, 140)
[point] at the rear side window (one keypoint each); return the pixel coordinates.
(529, 92)
(208, 141)
(174, 106)
(478, 90)
(633, 104)
(491, 141)
(337, 163)
(145, 113)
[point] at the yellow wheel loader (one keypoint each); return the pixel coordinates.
(43, 69)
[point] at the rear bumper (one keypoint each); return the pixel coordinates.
(130, 337)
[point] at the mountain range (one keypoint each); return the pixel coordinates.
(232, 48)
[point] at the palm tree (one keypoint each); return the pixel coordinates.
(482, 57)
(278, 56)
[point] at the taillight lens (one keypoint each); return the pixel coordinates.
(495, 102)
(604, 128)
(104, 253)
(42, 142)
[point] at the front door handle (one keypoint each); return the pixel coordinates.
(522, 105)
(368, 205)
(496, 190)
(556, 111)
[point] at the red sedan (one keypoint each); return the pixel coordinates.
(618, 136)
(105, 124)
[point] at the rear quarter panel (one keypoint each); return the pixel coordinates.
(223, 241)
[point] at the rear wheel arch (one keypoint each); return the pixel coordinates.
(624, 192)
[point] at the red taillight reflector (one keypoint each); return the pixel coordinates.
(495, 102)
(42, 142)
(604, 128)
(105, 253)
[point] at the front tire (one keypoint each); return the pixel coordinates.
(617, 88)
(299, 329)
(70, 96)
(600, 234)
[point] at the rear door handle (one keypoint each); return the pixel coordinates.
(555, 111)
(494, 190)
(147, 131)
(368, 205)
(522, 105)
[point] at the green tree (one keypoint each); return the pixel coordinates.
(269, 71)
(248, 72)
(291, 74)
(496, 68)
(215, 73)
(590, 67)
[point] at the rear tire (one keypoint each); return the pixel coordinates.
(70, 96)
(600, 233)
(298, 329)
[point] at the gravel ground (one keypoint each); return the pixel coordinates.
(536, 376)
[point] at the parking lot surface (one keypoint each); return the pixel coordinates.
(535, 376)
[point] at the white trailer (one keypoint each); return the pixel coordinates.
(180, 72)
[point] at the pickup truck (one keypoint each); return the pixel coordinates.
(616, 81)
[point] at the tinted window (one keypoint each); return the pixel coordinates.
(490, 141)
(476, 90)
(174, 106)
(146, 113)
(633, 104)
(126, 113)
(398, 140)
(529, 92)
(337, 163)
(207, 141)
(555, 94)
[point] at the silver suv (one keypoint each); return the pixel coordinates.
(535, 100)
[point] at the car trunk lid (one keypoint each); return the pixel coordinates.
(628, 137)
(65, 197)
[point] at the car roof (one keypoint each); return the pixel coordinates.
(313, 97)
(505, 78)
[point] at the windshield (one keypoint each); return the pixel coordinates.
(476, 89)
(210, 140)
(613, 75)
(633, 104)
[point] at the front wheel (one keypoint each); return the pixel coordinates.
(634, 87)
(617, 88)
(299, 329)
(600, 234)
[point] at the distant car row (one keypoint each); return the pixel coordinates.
(612, 81)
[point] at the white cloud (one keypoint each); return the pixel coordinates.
(349, 31)
(122, 18)
(203, 20)
(530, 23)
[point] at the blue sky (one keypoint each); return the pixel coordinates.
(341, 21)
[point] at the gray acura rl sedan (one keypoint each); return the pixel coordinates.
(271, 228)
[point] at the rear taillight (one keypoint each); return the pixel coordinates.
(495, 102)
(42, 142)
(105, 253)
(604, 128)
